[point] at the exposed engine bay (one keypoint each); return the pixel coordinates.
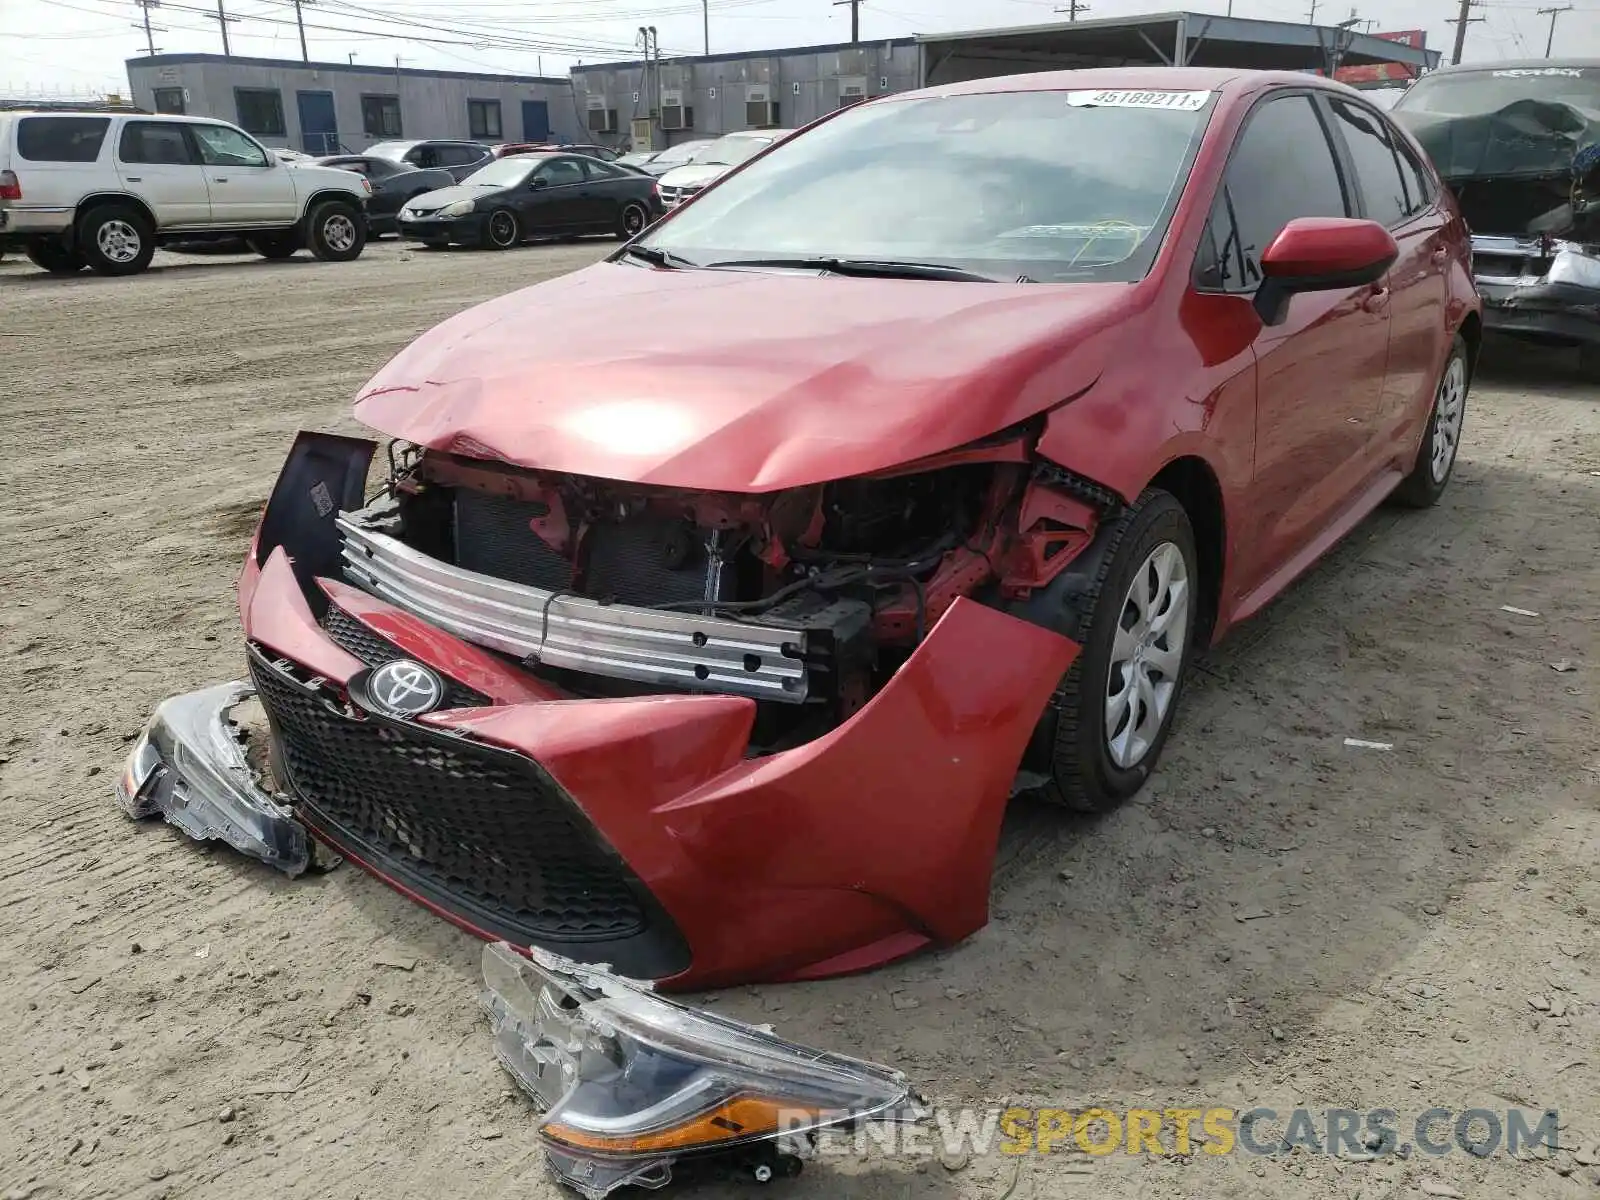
(804, 599)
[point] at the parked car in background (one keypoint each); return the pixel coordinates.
(102, 191)
(659, 162)
(459, 158)
(394, 184)
(592, 149)
(1519, 145)
(712, 162)
(532, 195)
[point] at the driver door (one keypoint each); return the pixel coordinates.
(557, 198)
(248, 186)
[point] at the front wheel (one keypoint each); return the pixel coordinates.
(1436, 457)
(55, 257)
(1109, 719)
(338, 231)
(503, 230)
(116, 240)
(631, 221)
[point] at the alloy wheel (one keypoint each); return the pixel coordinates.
(339, 232)
(1449, 407)
(1147, 655)
(502, 228)
(118, 241)
(632, 219)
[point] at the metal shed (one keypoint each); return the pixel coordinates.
(1176, 39)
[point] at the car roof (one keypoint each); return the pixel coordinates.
(1517, 64)
(1229, 80)
(137, 116)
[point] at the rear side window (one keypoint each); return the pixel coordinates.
(1282, 167)
(460, 155)
(61, 139)
(155, 142)
(1377, 165)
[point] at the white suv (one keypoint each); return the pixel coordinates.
(102, 190)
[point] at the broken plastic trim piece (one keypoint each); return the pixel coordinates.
(189, 767)
(632, 1083)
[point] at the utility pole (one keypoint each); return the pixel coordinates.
(149, 30)
(705, 19)
(1311, 17)
(1074, 7)
(299, 20)
(855, 18)
(1552, 13)
(1461, 22)
(223, 20)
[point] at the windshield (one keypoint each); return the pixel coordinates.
(389, 149)
(733, 150)
(1478, 93)
(506, 172)
(688, 152)
(1047, 185)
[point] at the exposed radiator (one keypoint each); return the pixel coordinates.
(493, 537)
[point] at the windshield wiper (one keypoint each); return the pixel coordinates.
(866, 267)
(657, 257)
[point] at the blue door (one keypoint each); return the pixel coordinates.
(319, 128)
(535, 120)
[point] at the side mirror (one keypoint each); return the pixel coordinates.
(539, 182)
(1321, 254)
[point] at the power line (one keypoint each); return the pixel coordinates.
(1552, 13)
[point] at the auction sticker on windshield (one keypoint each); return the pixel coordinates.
(1177, 101)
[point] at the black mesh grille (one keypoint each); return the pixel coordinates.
(486, 829)
(375, 651)
(493, 537)
(646, 560)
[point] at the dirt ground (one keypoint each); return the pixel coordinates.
(1278, 919)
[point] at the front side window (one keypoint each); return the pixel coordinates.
(1371, 146)
(1048, 185)
(169, 101)
(559, 172)
(61, 139)
(380, 116)
(1282, 167)
(603, 170)
(155, 142)
(483, 118)
(224, 147)
(260, 111)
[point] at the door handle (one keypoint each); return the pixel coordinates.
(134, 178)
(1377, 299)
(1440, 256)
(220, 179)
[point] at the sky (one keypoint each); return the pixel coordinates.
(62, 47)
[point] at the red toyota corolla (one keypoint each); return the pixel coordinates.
(716, 598)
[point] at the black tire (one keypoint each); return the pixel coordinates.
(1428, 479)
(502, 230)
(1072, 740)
(1589, 362)
(336, 231)
(632, 220)
(54, 256)
(115, 239)
(274, 245)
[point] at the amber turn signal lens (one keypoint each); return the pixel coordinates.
(733, 1120)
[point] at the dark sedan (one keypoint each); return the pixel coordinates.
(533, 195)
(394, 185)
(459, 158)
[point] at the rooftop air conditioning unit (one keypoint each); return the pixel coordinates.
(852, 89)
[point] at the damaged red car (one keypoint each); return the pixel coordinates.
(712, 601)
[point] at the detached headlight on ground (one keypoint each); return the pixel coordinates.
(631, 1082)
(459, 209)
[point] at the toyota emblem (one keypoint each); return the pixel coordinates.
(405, 688)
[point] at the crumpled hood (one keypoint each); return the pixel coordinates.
(1526, 138)
(741, 380)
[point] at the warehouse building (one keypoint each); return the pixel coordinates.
(326, 108)
(323, 107)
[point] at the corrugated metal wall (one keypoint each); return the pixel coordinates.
(432, 105)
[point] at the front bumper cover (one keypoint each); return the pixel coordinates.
(1537, 288)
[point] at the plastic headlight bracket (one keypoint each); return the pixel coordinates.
(632, 1083)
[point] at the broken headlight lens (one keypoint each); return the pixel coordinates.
(632, 1082)
(144, 760)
